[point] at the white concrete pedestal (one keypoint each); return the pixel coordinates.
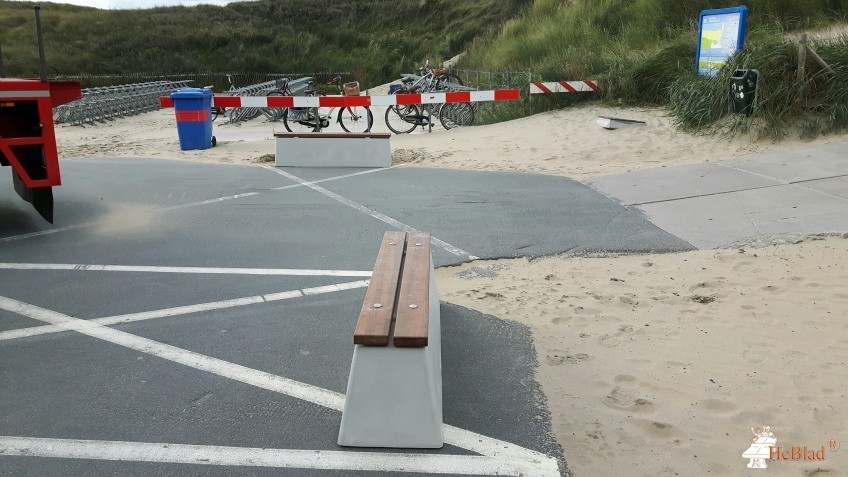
(332, 150)
(394, 395)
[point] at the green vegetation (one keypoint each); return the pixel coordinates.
(641, 50)
(376, 40)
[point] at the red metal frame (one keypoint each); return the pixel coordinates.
(46, 95)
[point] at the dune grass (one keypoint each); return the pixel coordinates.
(643, 52)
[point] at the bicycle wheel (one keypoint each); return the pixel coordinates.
(356, 119)
(455, 115)
(403, 119)
(214, 112)
(300, 120)
(452, 78)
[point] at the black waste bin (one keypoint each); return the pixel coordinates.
(743, 90)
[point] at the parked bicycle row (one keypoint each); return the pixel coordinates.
(104, 103)
(399, 119)
(266, 88)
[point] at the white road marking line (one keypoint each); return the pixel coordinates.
(184, 310)
(533, 462)
(382, 217)
(254, 457)
(261, 379)
(210, 201)
(43, 232)
(191, 204)
(197, 270)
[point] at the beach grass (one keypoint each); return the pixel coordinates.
(643, 52)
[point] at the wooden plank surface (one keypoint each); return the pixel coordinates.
(413, 309)
(333, 135)
(375, 319)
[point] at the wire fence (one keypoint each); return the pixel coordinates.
(217, 80)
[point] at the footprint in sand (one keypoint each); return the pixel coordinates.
(558, 359)
(561, 320)
(662, 431)
(625, 396)
(757, 353)
(828, 418)
(717, 406)
(616, 339)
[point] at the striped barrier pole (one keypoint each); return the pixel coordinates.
(346, 101)
(563, 87)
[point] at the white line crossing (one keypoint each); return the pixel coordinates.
(191, 204)
(184, 310)
(512, 456)
(382, 217)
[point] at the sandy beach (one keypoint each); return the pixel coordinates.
(652, 365)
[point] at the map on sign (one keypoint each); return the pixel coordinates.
(720, 34)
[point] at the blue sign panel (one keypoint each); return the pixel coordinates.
(720, 34)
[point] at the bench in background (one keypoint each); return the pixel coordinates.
(319, 149)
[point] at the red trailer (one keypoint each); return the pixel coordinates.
(27, 139)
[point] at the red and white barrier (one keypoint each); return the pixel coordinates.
(344, 101)
(563, 87)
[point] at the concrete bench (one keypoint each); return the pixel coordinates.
(319, 149)
(394, 392)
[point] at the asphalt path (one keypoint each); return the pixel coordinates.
(196, 319)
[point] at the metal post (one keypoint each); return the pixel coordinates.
(42, 62)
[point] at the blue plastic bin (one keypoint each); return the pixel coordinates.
(194, 123)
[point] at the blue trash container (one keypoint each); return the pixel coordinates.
(194, 123)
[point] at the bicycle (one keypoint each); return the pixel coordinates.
(350, 118)
(222, 111)
(402, 119)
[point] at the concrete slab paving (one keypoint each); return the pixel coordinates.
(798, 165)
(715, 221)
(836, 186)
(716, 204)
(679, 182)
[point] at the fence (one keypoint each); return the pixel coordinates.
(103, 103)
(218, 80)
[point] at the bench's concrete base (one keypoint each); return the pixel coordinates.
(332, 150)
(394, 395)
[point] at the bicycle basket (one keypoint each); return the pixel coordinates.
(351, 89)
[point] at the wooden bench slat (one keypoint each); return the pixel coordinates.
(374, 324)
(413, 308)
